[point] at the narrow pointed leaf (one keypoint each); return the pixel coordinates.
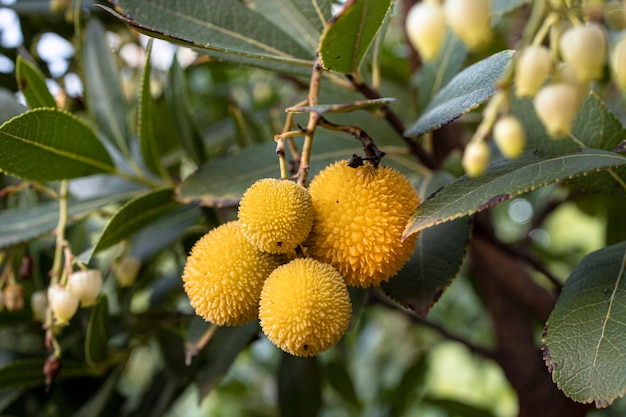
(134, 215)
(350, 33)
(436, 261)
(504, 180)
(344, 108)
(32, 83)
(97, 339)
(28, 373)
(150, 146)
(103, 88)
(299, 386)
(463, 93)
(223, 30)
(585, 339)
(23, 224)
(48, 144)
(336, 373)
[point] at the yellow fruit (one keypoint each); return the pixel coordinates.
(305, 307)
(470, 21)
(360, 214)
(224, 275)
(276, 215)
(584, 48)
(509, 136)
(426, 28)
(532, 67)
(556, 105)
(476, 158)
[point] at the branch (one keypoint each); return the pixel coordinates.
(373, 154)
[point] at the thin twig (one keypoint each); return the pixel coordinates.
(373, 154)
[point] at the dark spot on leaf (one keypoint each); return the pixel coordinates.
(494, 201)
(23, 85)
(435, 193)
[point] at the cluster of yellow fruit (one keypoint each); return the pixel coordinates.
(290, 256)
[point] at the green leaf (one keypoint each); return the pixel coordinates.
(585, 339)
(178, 98)
(97, 404)
(134, 215)
(27, 373)
(436, 261)
(224, 30)
(97, 339)
(504, 180)
(349, 34)
(458, 408)
(222, 182)
(411, 387)
(147, 136)
(32, 84)
(339, 379)
(595, 126)
(49, 144)
(9, 106)
(344, 108)
(463, 93)
(299, 386)
(103, 88)
(24, 224)
(221, 352)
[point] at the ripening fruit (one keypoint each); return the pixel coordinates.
(86, 285)
(584, 48)
(556, 105)
(618, 64)
(532, 67)
(39, 305)
(63, 304)
(476, 158)
(509, 136)
(224, 275)
(305, 307)
(470, 21)
(360, 214)
(426, 28)
(14, 297)
(276, 215)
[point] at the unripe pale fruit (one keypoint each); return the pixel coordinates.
(584, 48)
(224, 275)
(39, 304)
(618, 64)
(476, 158)
(305, 307)
(14, 297)
(556, 105)
(470, 21)
(63, 303)
(426, 28)
(86, 285)
(532, 67)
(509, 136)
(360, 214)
(126, 270)
(276, 215)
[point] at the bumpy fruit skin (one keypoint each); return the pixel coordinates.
(556, 105)
(509, 135)
(276, 215)
(476, 158)
(305, 307)
(360, 214)
(584, 48)
(470, 21)
(426, 28)
(224, 275)
(532, 67)
(618, 64)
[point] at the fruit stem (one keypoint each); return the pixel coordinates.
(314, 89)
(60, 233)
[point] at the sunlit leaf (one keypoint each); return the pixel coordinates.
(350, 33)
(463, 93)
(504, 180)
(32, 83)
(299, 390)
(48, 144)
(585, 339)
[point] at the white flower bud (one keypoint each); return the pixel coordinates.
(39, 305)
(532, 67)
(126, 271)
(584, 48)
(86, 285)
(476, 158)
(14, 297)
(63, 304)
(556, 105)
(565, 73)
(618, 64)
(509, 136)
(426, 28)
(470, 21)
